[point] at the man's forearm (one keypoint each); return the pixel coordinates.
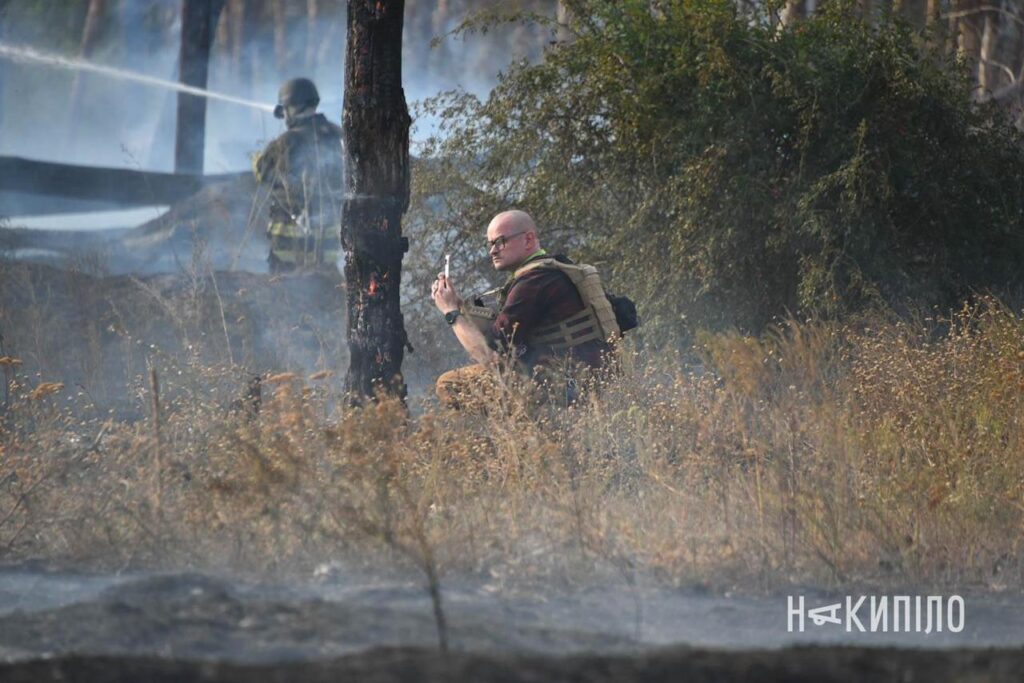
(473, 340)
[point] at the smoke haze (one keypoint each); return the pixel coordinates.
(106, 121)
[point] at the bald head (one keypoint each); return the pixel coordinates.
(512, 236)
(514, 220)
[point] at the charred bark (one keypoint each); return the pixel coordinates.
(198, 27)
(376, 132)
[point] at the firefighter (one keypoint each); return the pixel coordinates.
(302, 172)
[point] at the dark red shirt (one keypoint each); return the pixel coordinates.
(540, 298)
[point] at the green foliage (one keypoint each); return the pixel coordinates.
(727, 170)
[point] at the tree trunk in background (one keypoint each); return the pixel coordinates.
(986, 70)
(1013, 44)
(376, 133)
(563, 16)
(938, 26)
(915, 12)
(198, 26)
(280, 39)
(242, 35)
(1004, 53)
(236, 14)
(222, 37)
(969, 25)
(245, 47)
(90, 34)
(3, 72)
(259, 38)
(794, 11)
(312, 15)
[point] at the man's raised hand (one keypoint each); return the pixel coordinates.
(445, 297)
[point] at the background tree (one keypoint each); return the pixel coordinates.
(728, 172)
(198, 27)
(91, 31)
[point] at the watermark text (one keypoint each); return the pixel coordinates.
(880, 614)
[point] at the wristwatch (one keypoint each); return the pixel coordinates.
(450, 316)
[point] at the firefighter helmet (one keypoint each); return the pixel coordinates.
(296, 92)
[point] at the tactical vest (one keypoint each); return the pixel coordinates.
(595, 322)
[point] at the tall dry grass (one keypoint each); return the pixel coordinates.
(872, 453)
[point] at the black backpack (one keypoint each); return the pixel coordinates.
(625, 312)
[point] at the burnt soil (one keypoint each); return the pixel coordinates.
(810, 665)
(184, 627)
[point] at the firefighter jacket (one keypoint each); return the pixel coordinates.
(302, 171)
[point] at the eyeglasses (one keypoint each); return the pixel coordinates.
(500, 241)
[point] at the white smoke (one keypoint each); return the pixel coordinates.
(125, 115)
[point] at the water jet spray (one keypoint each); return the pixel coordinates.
(28, 55)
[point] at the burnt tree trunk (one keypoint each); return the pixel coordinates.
(198, 27)
(376, 132)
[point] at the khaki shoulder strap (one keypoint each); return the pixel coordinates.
(543, 262)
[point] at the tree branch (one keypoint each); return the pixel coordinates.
(959, 14)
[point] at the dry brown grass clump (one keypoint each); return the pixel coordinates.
(873, 453)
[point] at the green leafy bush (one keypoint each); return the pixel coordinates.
(727, 170)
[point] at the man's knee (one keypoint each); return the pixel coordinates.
(446, 385)
(462, 386)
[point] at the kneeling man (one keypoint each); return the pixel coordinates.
(552, 314)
